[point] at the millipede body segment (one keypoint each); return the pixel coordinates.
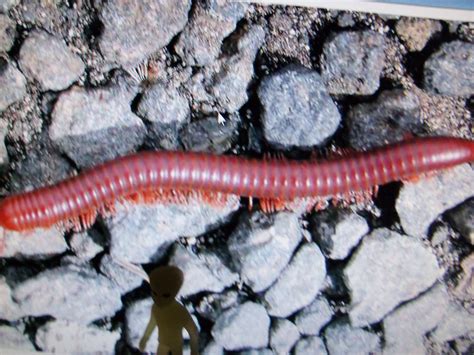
(264, 179)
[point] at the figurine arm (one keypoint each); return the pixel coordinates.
(193, 335)
(149, 329)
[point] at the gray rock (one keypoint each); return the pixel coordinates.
(167, 111)
(7, 33)
(12, 84)
(245, 326)
(203, 272)
(84, 247)
(462, 219)
(211, 306)
(141, 233)
(37, 243)
(134, 30)
(405, 328)
(68, 293)
(341, 338)
(345, 19)
(420, 203)
(386, 120)
(137, 316)
(69, 337)
(92, 126)
(337, 232)
(4, 161)
(123, 278)
(48, 60)
(352, 62)
(223, 85)
(9, 310)
(450, 71)
(209, 135)
(310, 346)
(386, 270)
(6, 5)
(283, 336)
(297, 110)
(311, 319)
(416, 32)
(12, 339)
(298, 284)
(260, 351)
(457, 322)
(262, 245)
(211, 21)
(213, 349)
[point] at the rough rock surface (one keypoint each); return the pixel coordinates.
(9, 310)
(462, 219)
(450, 71)
(134, 30)
(137, 316)
(212, 20)
(210, 135)
(262, 246)
(420, 203)
(297, 110)
(297, 285)
(211, 306)
(223, 85)
(388, 119)
(405, 328)
(337, 232)
(311, 319)
(141, 233)
(7, 33)
(38, 243)
(310, 346)
(84, 246)
(12, 339)
(6, 5)
(283, 336)
(456, 322)
(245, 326)
(12, 84)
(416, 32)
(167, 110)
(341, 338)
(82, 120)
(4, 160)
(212, 348)
(352, 62)
(386, 270)
(202, 272)
(123, 278)
(48, 60)
(68, 293)
(69, 337)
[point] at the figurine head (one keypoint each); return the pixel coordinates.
(165, 282)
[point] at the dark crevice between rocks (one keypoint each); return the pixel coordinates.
(386, 198)
(21, 34)
(414, 61)
(32, 324)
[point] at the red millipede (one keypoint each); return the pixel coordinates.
(90, 191)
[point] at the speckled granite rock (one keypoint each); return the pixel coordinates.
(416, 32)
(7, 33)
(12, 84)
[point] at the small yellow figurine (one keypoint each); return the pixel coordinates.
(168, 314)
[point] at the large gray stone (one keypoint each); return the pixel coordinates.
(245, 326)
(202, 272)
(310, 346)
(137, 316)
(283, 336)
(341, 338)
(211, 21)
(14, 340)
(84, 246)
(416, 32)
(311, 319)
(12, 84)
(123, 278)
(297, 110)
(386, 270)
(261, 247)
(72, 293)
(7, 33)
(298, 284)
(457, 321)
(9, 309)
(420, 203)
(450, 71)
(93, 126)
(72, 338)
(352, 62)
(133, 30)
(141, 233)
(48, 60)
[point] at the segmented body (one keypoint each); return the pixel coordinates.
(180, 171)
